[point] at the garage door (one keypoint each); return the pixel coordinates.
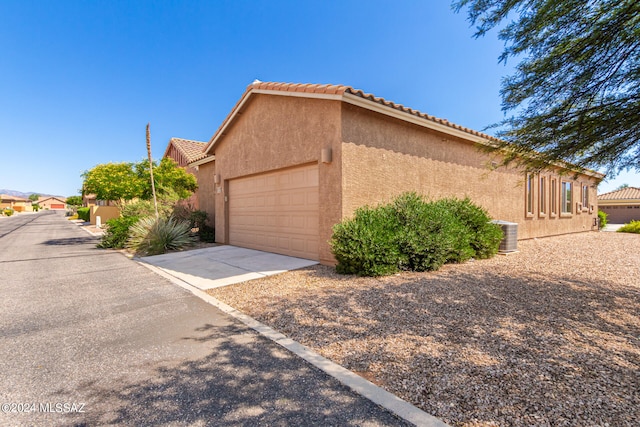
(276, 212)
(57, 206)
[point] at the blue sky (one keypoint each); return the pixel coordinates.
(79, 80)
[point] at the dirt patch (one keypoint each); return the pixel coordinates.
(548, 336)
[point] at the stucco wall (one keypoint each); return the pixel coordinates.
(207, 191)
(104, 212)
(383, 157)
(275, 132)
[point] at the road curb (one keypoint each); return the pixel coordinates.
(381, 397)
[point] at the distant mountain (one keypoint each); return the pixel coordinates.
(25, 195)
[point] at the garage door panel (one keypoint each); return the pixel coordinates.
(276, 212)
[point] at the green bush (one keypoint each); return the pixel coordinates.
(151, 236)
(7, 212)
(413, 234)
(117, 232)
(602, 220)
(207, 233)
(367, 245)
(484, 236)
(198, 219)
(632, 227)
(429, 234)
(83, 214)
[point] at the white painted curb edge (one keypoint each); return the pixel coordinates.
(387, 400)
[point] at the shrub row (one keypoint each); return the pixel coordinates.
(632, 227)
(83, 214)
(413, 234)
(137, 228)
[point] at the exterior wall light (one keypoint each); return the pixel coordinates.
(325, 155)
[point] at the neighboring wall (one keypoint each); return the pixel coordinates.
(275, 132)
(384, 157)
(104, 212)
(207, 191)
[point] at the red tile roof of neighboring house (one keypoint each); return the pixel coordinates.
(191, 150)
(13, 198)
(628, 193)
(60, 199)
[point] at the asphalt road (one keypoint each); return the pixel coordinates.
(89, 337)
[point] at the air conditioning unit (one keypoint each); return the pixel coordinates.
(509, 242)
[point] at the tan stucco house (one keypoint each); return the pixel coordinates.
(18, 204)
(52, 203)
(621, 206)
(184, 152)
(292, 160)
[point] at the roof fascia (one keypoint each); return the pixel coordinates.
(407, 117)
(448, 130)
(619, 202)
(203, 161)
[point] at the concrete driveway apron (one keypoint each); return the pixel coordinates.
(224, 265)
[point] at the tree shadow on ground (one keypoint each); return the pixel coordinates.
(516, 349)
(70, 241)
(245, 380)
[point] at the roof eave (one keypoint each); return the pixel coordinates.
(202, 161)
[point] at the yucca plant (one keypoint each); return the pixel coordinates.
(151, 236)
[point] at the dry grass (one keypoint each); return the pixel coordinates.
(548, 336)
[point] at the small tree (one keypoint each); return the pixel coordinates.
(74, 200)
(127, 181)
(34, 197)
(112, 181)
(575, 93)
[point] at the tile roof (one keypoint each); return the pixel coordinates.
(191, 150)
(13, 198)
(628, 193)
(343, 92)
(61, 199)
(342, 89)
(331, 90)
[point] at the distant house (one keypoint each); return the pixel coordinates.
(621, 206)
(52, 203)
(91, 200)
(184, 152)
(18, 204)
(292, 160)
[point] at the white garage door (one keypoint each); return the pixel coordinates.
(276, 212)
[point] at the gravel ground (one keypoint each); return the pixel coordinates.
(546, 336)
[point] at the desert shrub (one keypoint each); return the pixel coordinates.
(83, 214)
(207, 233)
(117, 232)
(151, 236)
(145, 208)
(413, 234)
(181, 212)
(484, 236)
(198, 219)
(7, 212)
(602, 220)
(367, 245)
(632, 227)
(429, 234)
